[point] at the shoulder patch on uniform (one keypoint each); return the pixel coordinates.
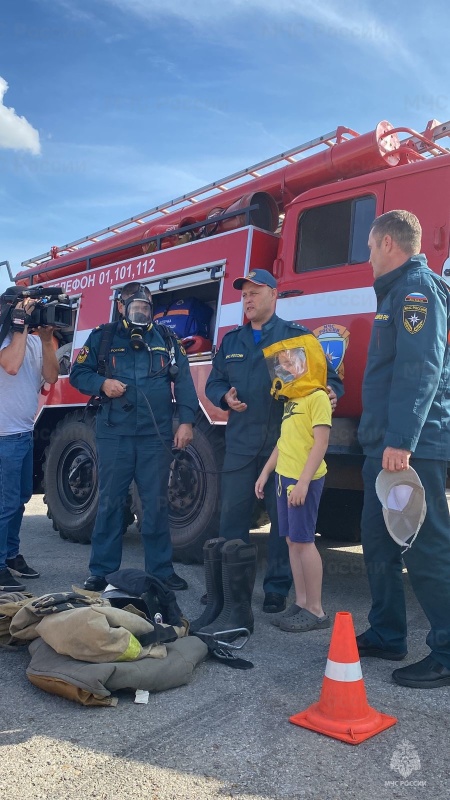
(180, 346)
(414, 316)
(416, 297)
(82, 355)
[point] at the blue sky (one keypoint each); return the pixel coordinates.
(110, 107)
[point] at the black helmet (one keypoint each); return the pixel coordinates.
(120, 599)
(135, 586)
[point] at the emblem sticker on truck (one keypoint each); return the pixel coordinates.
(334, 340)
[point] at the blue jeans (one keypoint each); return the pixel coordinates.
(16, 488)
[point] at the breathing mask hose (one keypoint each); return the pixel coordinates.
(191, 466)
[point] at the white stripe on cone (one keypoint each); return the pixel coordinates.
(347, 673)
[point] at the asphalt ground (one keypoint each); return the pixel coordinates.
(227, 733)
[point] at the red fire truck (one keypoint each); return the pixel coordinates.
(304, 215)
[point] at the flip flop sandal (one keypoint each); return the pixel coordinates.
(293, 609)
(304, 621)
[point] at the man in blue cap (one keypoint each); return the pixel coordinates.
(240, 382)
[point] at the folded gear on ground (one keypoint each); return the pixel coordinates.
(96, 633)
(10, 604)
(91, 684)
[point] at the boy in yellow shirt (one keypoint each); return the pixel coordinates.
(299, 371)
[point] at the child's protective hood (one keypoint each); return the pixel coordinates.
(297, 367)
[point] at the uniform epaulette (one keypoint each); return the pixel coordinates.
(296, 325)
(233, 330)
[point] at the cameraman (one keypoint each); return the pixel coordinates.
(24, 361)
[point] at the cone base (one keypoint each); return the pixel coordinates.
(350, 731)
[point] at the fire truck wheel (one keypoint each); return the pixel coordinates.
(70, 478)
(340, 515)
(194, 494)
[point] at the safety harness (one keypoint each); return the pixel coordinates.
(108, 332)
(103, 368)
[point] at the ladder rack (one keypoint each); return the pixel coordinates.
(210, 190)
(421, 143)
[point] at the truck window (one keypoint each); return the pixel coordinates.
(335, 234)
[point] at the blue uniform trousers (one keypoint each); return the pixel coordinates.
(238, 502)
(16, 487)
(120, 459)
(427, 562)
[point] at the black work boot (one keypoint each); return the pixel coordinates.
(212, 559)
(238, 579)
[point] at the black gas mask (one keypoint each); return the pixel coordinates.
(138, 317)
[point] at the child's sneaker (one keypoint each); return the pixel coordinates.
(8, 583)
(18, 566)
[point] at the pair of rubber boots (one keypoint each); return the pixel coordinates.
(230, 571)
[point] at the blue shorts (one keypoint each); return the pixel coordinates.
(298, 523)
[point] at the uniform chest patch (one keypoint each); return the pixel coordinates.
(234, 355)
(383, 317)
(82, 355)
(118, 350)
(414, 317)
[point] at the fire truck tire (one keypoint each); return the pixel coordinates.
(70, 479)
(194, 494)
(340, 515)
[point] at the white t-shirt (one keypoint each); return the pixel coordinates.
(19, 393)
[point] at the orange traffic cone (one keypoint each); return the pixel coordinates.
(342, 711)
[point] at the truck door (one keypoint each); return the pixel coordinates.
(327, 280)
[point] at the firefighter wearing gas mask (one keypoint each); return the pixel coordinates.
(144, 369)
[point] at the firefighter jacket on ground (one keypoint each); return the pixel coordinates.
(406, 387)
(241, 363)
(147, 371)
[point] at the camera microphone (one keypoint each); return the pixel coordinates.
(43, 291)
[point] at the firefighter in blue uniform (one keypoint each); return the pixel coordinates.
(134, 431)
(240, 382)
(406, 422)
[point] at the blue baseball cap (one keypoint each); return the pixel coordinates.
(260, 277)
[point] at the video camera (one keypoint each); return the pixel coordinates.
(52, 306)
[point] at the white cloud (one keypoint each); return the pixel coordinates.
(16, 133)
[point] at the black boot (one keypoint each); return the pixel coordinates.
(238, 579)
(212, 559)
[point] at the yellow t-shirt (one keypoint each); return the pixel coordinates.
(297, 438)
